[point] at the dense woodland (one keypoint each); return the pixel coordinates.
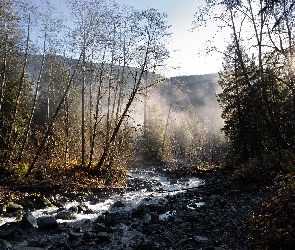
(90, 96)
(79, 101)
(258, 107)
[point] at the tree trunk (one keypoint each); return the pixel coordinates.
(54, 117)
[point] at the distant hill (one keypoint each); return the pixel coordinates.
(198, 90)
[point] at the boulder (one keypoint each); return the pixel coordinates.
(28, 248)
(39, 201)
(74, 209)
(47, 223)
(103, 237)
(100, 219)
(13, 207)
(28, 221)
(158, 208)
(98, 227)
(118, 204)
(65, 215)
(2, 208)
(4, 244)
(141, 210)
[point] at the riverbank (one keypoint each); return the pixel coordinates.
(212, 216)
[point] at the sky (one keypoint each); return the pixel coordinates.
(187, 48)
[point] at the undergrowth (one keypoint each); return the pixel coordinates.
(272, 226)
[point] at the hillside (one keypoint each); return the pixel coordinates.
(198, 90)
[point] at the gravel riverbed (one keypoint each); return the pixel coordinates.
(211, 216)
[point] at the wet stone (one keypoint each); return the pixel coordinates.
(141, 210)
(47, 223)
(103, 237)
(4, 244)
(81, 209)
(28, 221)
(184, 225)
(75, 235)
(2, 208)
(118, 204)
(158, 208)
(154, 216)
(100, 219)
(201, 238)
(28, 248)
(98, 227)
(13, 207)
(74, 209)
(65, 215)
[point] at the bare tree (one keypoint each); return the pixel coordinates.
(149, 53)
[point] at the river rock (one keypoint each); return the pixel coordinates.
(184, 180)
(173, 181)
(28, 221)
(74, 209)
(65, 215)
(145, 245)
(100, 219)
(154, 216)
(75, 235)
(147, 218)
(82, 209)
(103, 237)
(118, 204)
(193, 216)
(28, 248)
(47, 223)
(158, 208)
(4, 244)
(141, 209)
(136, 225)
(2, 208)
(39, 201)
(201, 238)
(98, 227)
(110, 220)
(13, 207)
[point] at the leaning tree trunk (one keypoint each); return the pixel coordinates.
(26, 135)
(122, 117)
(11, 143)
(53, 119)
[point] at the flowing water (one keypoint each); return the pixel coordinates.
(150, 187)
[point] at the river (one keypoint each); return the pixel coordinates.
(142, 202)
(148, 186)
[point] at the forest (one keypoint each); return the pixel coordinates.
(87, 98)
(80, 99)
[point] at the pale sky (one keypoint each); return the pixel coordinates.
(187, 47)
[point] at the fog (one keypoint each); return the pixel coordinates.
(178, 94)
(183, 118)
